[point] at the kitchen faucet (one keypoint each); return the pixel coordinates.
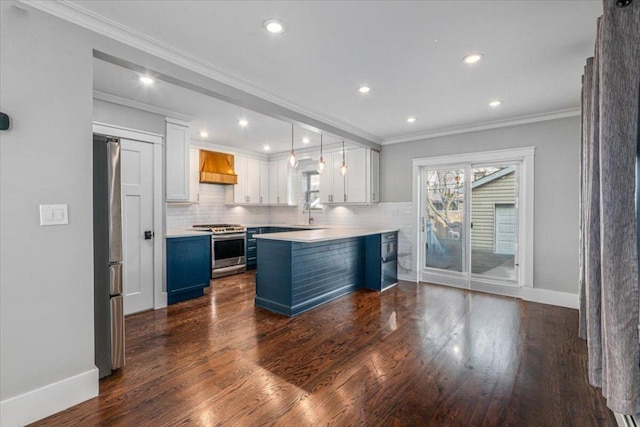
(307, 206)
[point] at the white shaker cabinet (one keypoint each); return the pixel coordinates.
(374, 190)
(331, 180)
(356, 179)
(359, 185)
(280, 183)
(236, 194)
(194, 175)
(264, 182)
(177, 160)
(253, 180)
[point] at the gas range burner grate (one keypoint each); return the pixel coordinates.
(222, 228)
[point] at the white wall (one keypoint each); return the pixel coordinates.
(556, 187)
(132, 118)
(46, 275)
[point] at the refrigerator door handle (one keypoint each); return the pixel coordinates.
(115, 279)
(115, 201)
(117, 332)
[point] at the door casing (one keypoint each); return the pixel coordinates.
(159, 293)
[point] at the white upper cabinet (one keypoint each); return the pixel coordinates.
(356, 179)
(359, 185)
(280, 188)
(264, 182)
(253, 182)
(177, 160)
(194, 175)
(331, 180)
(237, 194)
(374, 191)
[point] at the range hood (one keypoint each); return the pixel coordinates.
(217, 168)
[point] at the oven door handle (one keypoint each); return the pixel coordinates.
(218, 237)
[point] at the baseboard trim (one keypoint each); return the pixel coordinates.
(411, 277)
(48, 400)
(546, 296)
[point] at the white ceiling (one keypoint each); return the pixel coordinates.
(220, 119)
(409, 53)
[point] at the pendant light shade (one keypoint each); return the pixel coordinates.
(321, 162)
(343, 168)
(292, 156)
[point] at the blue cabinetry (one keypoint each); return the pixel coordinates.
(295, 277)
(188, 267)
(381, 256)
(251, 245)
(252, 249)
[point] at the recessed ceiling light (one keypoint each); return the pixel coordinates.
(411, 119)
(243, 122)
(266, 147)
(273, 26)
(146, 80)
(472, 58)
(305, 140)
(364, 89)
(495, 103)
(204, 134)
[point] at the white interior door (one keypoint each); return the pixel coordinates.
(137, 212)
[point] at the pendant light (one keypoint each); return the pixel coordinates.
(321, 162)
(292, 155)
(343, 168)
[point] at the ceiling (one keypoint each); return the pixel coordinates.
(410, 54)
(220, 119)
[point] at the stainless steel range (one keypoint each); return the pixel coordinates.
(228, 251)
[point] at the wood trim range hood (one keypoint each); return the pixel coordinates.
(217, 168)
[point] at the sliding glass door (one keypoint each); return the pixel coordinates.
(469, 224)
(443, 219)
(494, 221)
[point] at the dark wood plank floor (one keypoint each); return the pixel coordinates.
(415, 355)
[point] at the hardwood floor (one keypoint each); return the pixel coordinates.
(415, 355)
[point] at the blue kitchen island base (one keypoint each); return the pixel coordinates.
(294, 277)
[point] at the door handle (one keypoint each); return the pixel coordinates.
(148, 235)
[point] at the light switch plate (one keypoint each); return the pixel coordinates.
(54, 215)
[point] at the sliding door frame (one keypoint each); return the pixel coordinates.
(524, 159)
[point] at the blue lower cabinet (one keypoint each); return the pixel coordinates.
(251, 246)
(381, 261)
(188, 267)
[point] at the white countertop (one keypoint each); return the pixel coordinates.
(314, 226)
(322, 235)
(187, 233)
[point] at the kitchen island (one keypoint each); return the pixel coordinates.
(300, 270)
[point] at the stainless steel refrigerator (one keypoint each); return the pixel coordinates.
(107, 255)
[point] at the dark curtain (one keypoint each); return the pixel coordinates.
(608, 222)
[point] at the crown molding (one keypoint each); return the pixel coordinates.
(115, 99)
(533, 118)
(94, 22)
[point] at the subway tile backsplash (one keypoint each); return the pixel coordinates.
(212, 210)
